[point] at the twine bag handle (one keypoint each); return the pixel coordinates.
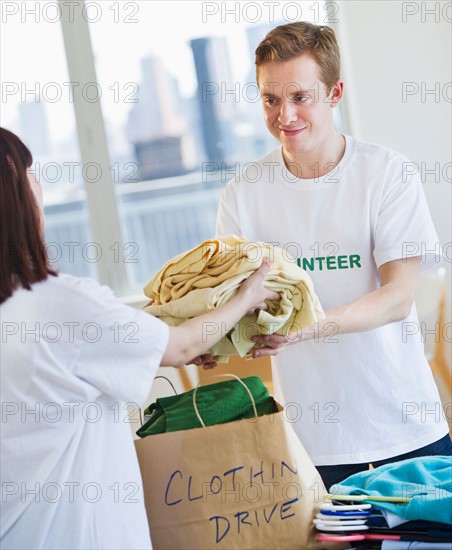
(195, 406)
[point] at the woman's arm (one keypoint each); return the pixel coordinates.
(197, 335)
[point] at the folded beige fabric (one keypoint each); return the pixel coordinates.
(207, 276)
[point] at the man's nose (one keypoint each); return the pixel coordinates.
(287, 112)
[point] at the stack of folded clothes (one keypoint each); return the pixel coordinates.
(210, 274)
(398, 506)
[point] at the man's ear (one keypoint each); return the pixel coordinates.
(336, 93)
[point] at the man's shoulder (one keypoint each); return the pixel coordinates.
(260, 170)
(274, 157)
(378, 152)
(381, 165)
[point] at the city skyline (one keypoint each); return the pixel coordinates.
(167, 134)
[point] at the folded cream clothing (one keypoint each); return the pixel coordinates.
(210, 274)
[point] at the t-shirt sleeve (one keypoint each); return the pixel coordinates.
(121, 347)
(227, 215)
(404, 226)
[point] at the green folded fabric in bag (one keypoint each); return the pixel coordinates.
(217, 404)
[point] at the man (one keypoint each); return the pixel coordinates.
(352, 384)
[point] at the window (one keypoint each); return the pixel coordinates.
(37, 105)
(178, 120)
(167, 111)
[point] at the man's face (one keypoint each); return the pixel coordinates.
(297, 108)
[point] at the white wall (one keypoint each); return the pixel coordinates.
(384, 45)
(382, 53)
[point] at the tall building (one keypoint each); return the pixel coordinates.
(217, 107)
(164, 157)
(154, 114)
(260, 140)
(157, 126)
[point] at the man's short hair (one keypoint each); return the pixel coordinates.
(294, 39)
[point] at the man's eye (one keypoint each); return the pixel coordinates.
(301, 98)
(270, 100)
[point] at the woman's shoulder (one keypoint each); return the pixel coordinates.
(73, 287)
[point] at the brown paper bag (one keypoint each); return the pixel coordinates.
(247, 484)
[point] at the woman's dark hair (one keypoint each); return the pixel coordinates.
(23, 255)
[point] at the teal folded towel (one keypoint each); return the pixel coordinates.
(427, 480)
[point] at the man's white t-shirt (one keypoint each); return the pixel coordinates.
(72, 358)
(363, 396)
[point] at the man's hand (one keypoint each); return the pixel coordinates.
(272, 344)
(391, 302)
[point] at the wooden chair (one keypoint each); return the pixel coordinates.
(241, 367)
(431, 303)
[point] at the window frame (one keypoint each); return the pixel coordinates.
(100, 197)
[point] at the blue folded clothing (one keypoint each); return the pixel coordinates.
(426, 480)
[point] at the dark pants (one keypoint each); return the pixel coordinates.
(336, 474)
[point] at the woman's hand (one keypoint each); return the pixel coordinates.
(253, 291)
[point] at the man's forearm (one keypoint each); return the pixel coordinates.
(390, 302)
(380, 307)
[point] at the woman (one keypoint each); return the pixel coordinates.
(72, 358)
